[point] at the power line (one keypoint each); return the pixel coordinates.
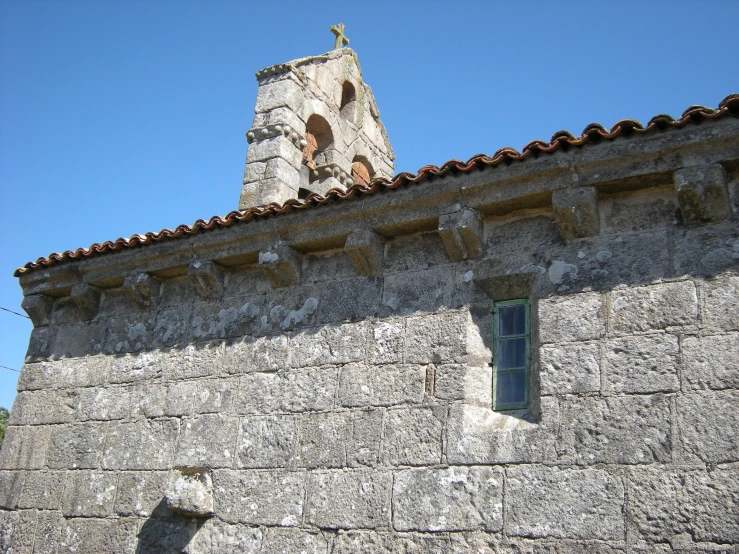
(10, 368)
(12, 312)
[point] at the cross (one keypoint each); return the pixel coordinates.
(341, 40)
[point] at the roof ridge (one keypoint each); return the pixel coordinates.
(592, 133)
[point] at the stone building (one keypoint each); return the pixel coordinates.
(529, 352)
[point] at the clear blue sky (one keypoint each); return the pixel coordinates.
(121, 117)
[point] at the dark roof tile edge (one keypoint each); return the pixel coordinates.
(729, 106)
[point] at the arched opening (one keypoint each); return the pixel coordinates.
(362, 171)
(319, 137)
(348, 107)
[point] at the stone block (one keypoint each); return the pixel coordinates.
(719, 297)
(11, 488)
(258, 394)
(17, 531)
(105, 403)
(282, 265)
(232, 317)
(139, 493)
(89, 493)
(702, 193)
(260, 497)
(216, 537)
(130, 368)
(654, 307)
(266, 441)
(574, 504)
(89, 536)
(286, 541)
(378, 542)
(713, 500)
(44, 407)
(38, 307)
(349, 499)
(91, 371)
(207, 441)
(189, 491)
(40, 376)
(657, 505)
(48, 531)
(173, 399)
(267, 191)
(440, 338)
(42, 490)
(708, 425)
(413, 436)
(366, 385)
(386, 344)
(194, 360)
(570, 368)
(171, 327)
(364, 447)
(709, 249)
(576, 212)
(471, 384)
(256, 354)
(142, 288)
(24, 447)
(167, 532)
(616, 430)
(451, 499)
(710, 362)
(477, 435)
(427, 290)
(329, 345)
(284, 92)
(208, 278)
(366, 249)
(414, 252)
(87, 300)
(571, 318)
(323, 439)
(353, 299)
(212, 395)
(76, 446)
(462, 234)
(142, 444)
(132, 333)
(641, 364)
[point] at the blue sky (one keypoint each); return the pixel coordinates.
(122, 117)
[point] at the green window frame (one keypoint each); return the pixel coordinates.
(511, 355)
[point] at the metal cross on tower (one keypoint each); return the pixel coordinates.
(341, 39)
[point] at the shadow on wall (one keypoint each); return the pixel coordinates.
(166, 532)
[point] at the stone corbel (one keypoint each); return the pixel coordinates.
(87, 300)
(576, 212)
(461, 232)
(207, 277)
(38, 307)
(142, 287)
(702, 193)
(281, 264)
(366, 250)
(276, 130)
(332, 169)
(189, 491)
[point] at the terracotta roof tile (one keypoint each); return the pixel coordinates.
(593, 133)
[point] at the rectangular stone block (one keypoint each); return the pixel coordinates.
(88, 536)
(11, 488)
(312, 389)
(295, 540)
(42, 375)
(658, 507)
(231, 317)
(386, 343)
(710, 362)
(714, 498)
(654, 307)
(172, 326)
(160, 399)
(470, 384)
(323, 439)
(142, 444)
(575, 317)
(257, 394)
(44, 407)
(440, 338)
(146, 366)
(641, 364)
(570, 368)
(260, 497)
(129, 333)
(428, 290)
(720, 310)
(42, 490)
(617, 430)
(413, 436)
(139, 492)
(383, 541)
(329, 345)
(256, 354)
(574, 504)
(24, 447)
(349, 499)
(366, 385)
(104, 403)
(266, 441)
(213, 395)
(451, 499)
(194, 360)
(364, 447)
(207, 441)
(17, 531)
(478, 435)
(215, 537)
(89, 493)
(708, 425)
(76, 446)
(47, 531)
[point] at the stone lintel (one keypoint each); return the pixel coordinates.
(38, 307)
(702, 193)
(281, 264)
(461, 232)
(142, 287)
(576, 212)
(366, 250)
(87, 300)
(208, 278)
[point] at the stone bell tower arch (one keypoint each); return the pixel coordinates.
(316, 127)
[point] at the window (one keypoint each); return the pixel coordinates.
(511, 356)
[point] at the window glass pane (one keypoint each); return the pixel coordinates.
(511, 353)
(512, 320)
(511, 388)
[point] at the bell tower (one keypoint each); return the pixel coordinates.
(316, 127)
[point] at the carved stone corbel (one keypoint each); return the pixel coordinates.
(702, 193)
(142, 288)
(281, 264)
(366, 250)
(87, 300)
(38, 307)
(576, 212)
(461, 232)
(207, 277)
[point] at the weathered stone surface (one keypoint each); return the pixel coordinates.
(147, 366)
(349, 499)
(11, 488)
(622, 430)
(189, 491)
(166, 532)
(711, 362)
(44, 407)
(87, 300)
(366, 250)
(143, 444)
(259, 497)
(441, 338)
(720, 302)
(207, 277)
(658, 507)
(452, 499)
(139, 493)
(654, 307)
(364, 447)
(576, 211)
(363, 385)
(266, 441)
(570, 368)
(708, 424)
(471, 384)
(282, 265)
(386, 343)
(42, 490)
(89, 493)
(379, 542)
(47, 531)
(641, 364)
(142, 288)
(323, 439)
(461, 232)
(413, 436)
(427, 290)
(215, 537)
(76, 446)
(104, 404)
(90, 536)
(38, 307)
(576, 317)
(714, 499)
(329, 345)
(17, 531)
(195, 360)
(256, 354)
(286, 541)
(207, 441)
(24, 447)
(574, 504)
(701, 192)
